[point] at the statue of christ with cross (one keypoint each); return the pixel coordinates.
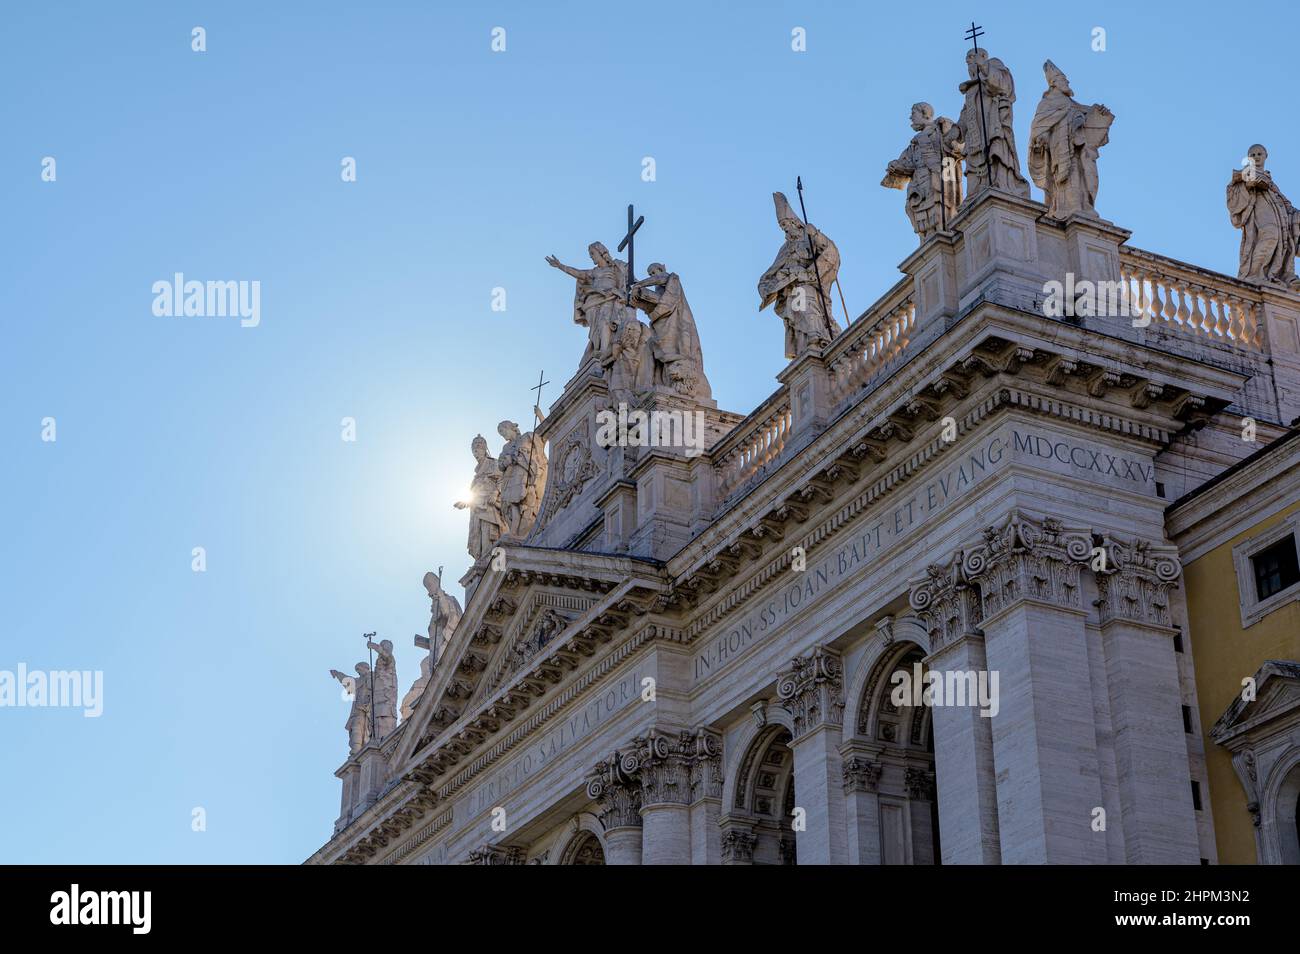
(602, 302)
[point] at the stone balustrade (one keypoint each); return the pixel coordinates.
(1198, 303)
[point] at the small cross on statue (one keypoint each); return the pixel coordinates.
(629, 245)
(369, 637)
(537, 403)
(973, 34)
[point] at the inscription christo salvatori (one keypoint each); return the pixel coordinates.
(897, 522)
(550, 746)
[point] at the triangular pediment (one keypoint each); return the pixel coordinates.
(1277, 693)
(505, 650)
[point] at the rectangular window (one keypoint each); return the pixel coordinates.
(1276, 568)
(1178, 640)
(1187, 719)
(1196, 795)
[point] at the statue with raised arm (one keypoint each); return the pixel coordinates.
(994, 164)
(385, 692)
(444, 615)
(677, 361)
(1065, 138)
(800, 290)
(598, 302)
(927, 171)
(484, 503)
(522, 463)
(1270, 225)
(358, 690)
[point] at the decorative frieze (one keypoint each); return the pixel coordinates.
(496, 855)
(1134, 583)
(812, 690)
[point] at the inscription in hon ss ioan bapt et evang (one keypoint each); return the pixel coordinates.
(1060, 454)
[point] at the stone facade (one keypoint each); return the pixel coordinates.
(959, 485)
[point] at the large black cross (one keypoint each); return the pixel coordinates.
(630, 246)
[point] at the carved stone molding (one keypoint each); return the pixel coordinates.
(861, 775)
(919, 783)
(616, 788)
(738, 846)
(946, 602)
(1028, 558)
(663, 763)
(705, 764)
(812, 690)
(496, 855)
(1134, 585)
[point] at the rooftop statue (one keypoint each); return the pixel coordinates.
(800, 292)
(1065, 139)
(927, 171)
(674, 340)
(484, 503)
(985, 121)
(1270, 225)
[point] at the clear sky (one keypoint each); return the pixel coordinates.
(472, 166)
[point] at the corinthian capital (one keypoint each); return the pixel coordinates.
(615, 786)
(812, 690)
(1135, 580)
(946, 602)
(663, 764)
(705, 748)
(1027, 557)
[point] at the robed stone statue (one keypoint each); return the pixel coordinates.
(484, 503)
(1270, 225)
(799, 291)
(598, 302)
(444, 615)
(674, 344)
(1064, 141)
(522, 463)
(385, 692)
(358, 723)
(927, 171)
(995, 163)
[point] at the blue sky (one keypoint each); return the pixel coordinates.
(472, 166)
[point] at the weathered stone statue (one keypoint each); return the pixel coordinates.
(1000, 168)
(792, 283)
(1270, 225)
(358, 724)
(598, 302)
(385, 692)
(484, 504)
(523, 477)
(674, 339)
(928, 171)
(630, 368)
(444, 615)
(1064, 140)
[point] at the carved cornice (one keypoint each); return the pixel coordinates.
(811, 689)
(1134, 585)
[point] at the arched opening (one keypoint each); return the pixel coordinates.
(896, 803)
(1287, 813)
(758, 828)
(584, 849)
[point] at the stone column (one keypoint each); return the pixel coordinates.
(963, 739)
(1145, 698)
(862, 809)
(616, 789)
(706, 797)
(1044, 735)
(812, 691)
(663, 764)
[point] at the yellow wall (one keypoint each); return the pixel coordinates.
(1225, 654)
